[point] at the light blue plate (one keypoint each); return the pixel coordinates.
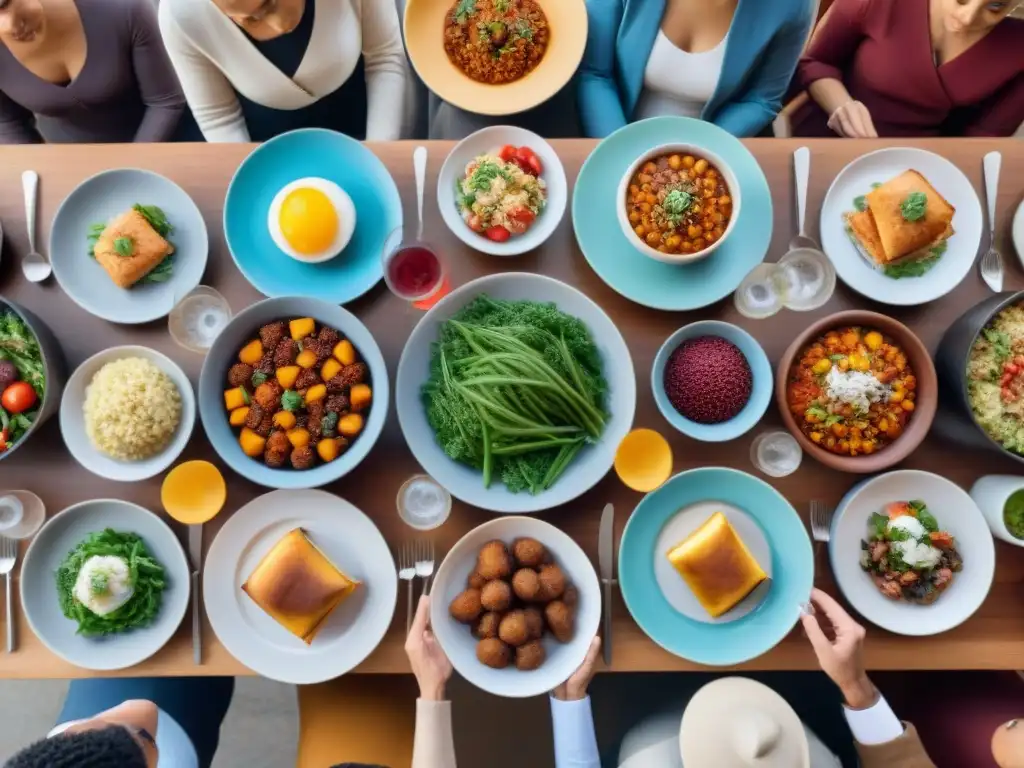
(101, 198)
(293, 156)
(644, 280)
(760, 395)
(792, 568)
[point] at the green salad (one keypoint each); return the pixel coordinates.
(22, 379)
(157, 219)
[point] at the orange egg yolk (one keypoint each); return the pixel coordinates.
(309, 221)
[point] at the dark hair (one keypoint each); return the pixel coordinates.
(111, 747)
(357, 765)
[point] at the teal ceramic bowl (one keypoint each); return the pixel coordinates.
(760, 395)
(791, 568)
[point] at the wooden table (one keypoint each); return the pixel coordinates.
(993, 638)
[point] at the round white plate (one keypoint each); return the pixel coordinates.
(686, 521)
(879, 167)
(72, 418)
(955, 512)
(60, 535)
(348, 538)
(1018, 232)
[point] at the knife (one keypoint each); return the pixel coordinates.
(195, 554)
(606, 562)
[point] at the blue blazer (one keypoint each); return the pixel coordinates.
(764, 43)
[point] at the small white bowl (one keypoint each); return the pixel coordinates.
(991, 493)
(490, 140)
(72, 418)
(346, 217)
(681, 258)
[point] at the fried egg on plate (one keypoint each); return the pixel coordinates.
(312, 220)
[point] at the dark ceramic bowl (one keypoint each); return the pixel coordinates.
(956, 421)
(927, 391)
(53, 364)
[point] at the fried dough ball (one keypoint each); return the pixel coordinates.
(466, 608)
(277, 450)
(494, 653)
(268, 395)
(494, 561)
(571, 596)
(534, 622)
(475, 581)
(560, 620)
(487, 626)
(552, 583)
(254, 417)
(354, 374)
(526, 584)
(266, 364)
(338, 403)
(513, 629)
(328, 336)
(496, 596)
(530, 656)
(240, 375)
(272, 333)
(307, 378)
(285, 352)
(529, 553)
(304, 457)
(266, 425)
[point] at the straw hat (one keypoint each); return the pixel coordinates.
(736, 722)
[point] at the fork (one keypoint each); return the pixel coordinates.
(425, 563)
(992, 261)
(407, 572)
(821, 526)
(8, 557)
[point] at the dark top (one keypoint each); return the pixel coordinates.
(126, 91)
(882, 52)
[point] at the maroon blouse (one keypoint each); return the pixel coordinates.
(882, 52)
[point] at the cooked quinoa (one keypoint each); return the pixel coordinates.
(995, 398)
(132, 409)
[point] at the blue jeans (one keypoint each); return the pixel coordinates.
(197, 704)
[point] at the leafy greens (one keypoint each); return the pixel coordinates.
(18, 345)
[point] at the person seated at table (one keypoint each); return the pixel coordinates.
(882, 741)
(871, 70)
(252, 69)
(165, 722)
(92, 71)
(724, 61)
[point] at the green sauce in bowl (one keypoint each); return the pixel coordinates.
(1013, 514)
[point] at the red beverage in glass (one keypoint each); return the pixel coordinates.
(414, 272)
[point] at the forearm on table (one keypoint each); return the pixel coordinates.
(829, 93)
(434, 744)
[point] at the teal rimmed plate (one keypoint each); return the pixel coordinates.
(639, 278)
(771, 529)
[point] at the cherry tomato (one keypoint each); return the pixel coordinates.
(18, 397)
(528, 161)
(476, 223)
(498, 234)
(507, 153)
(520, 220)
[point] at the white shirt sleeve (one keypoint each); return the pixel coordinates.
(575, 737)
(386, 72)
(877, 724)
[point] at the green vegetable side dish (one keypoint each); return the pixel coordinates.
(21, 359)
(1013, 514)
(146, 578)
(516, 390)
(914, 206)
(157, 219)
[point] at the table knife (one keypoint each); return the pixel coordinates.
(606, 562)
(195, 554)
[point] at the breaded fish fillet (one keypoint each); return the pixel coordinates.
(898, 237)
(148, 249)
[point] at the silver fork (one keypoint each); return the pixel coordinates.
(821, 526)
(407, 572)
(992, 262)
(425, 563)
(8, 557)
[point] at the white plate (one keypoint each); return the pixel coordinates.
(1018, 232)
(72, 418)
(348, 538)
(457, 640)
(490, 140)
(955, 512)
(878, 167)
(60, 535)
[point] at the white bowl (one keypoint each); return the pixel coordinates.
(72, 418)
(682, 148)
(346, 216)
(955, 512)
(990, 493)
(488, 140)
(457, 640)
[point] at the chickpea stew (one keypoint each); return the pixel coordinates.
(678, 203)
(852, 391)
(495, 41)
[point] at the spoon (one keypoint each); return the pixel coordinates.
(419, 165)
(802, 166)
(34, 266)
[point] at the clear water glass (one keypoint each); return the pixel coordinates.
(423, 503)
(802, 280)
(776, 453)
(198, 318)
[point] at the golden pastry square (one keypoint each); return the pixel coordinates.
(716, 565)
(147, 246)
(898, 236)
(298, 586)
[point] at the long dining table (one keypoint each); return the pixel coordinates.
(993, 638)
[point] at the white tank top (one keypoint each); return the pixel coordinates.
(677, 82)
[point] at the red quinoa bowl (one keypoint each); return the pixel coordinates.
(875, 402)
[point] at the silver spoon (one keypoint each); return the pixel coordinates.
(34, 266)
(802, 167)
(419, 164)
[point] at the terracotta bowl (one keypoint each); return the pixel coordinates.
(927, 391)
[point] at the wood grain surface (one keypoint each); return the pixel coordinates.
(993, 638)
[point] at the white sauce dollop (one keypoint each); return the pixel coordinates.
(856, 388)
(911, 525)
(104, 584)
(917, 554)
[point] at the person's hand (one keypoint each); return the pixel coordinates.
(853, 121)
(429, 663)
(842, 658)
(575, 688)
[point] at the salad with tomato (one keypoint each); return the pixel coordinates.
(22, 379)
(502, 194)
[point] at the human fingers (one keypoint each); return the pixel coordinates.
(835, 123)
(420, 622)
(819, 641)
(585, 672)
(847, 123)
(836, 614)
(869, 124)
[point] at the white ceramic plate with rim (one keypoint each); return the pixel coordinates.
(877, 168)
(61, 534)
(955, 512)
(457, 640)
(72, 418)
(466, 483)
(489, 141)
(348, 538)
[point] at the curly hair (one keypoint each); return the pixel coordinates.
(112, 747)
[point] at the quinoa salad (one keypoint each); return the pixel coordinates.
(501, 194)
(995, 378)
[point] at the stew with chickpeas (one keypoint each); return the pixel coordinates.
(852, 391)
(678, 203)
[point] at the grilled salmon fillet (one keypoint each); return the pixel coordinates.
(148, 249)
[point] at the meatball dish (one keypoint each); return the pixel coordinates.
(495, 41)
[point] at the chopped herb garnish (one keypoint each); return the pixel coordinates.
(675, 205)
(501, 6)
(123, 246)
(258, 377)
(860, 202)
(465, 9)
(876, 184)
(245, 396)
(916, 268)
(99, 583)
(485, 173)
(291, 400)
(913, 206)
(328, 423)
(524, 30)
